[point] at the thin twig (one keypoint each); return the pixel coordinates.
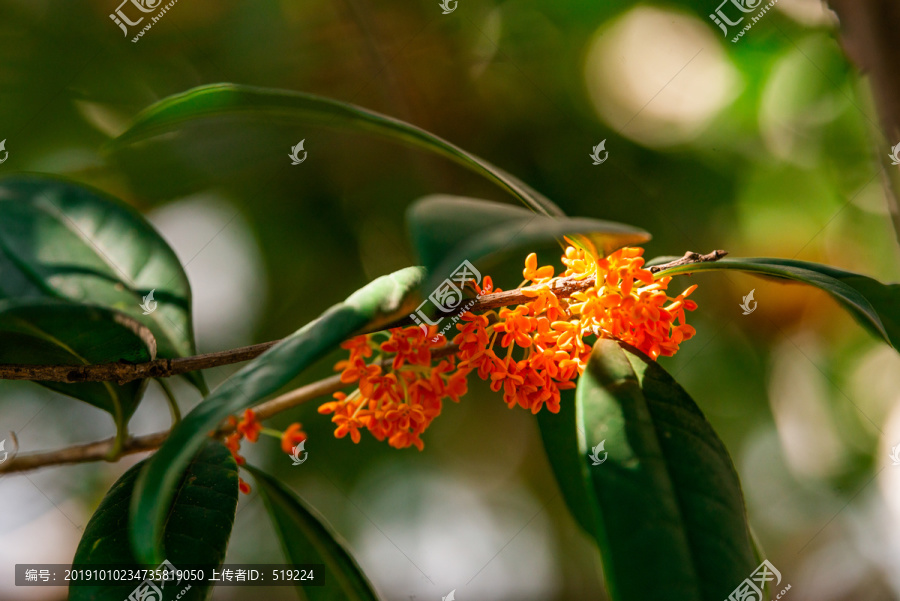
(123, 372)
(94, 451)
(690, 257)
(97, 451)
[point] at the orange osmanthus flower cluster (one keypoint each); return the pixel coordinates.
(531, 351)
(398, 405)
(248, 427)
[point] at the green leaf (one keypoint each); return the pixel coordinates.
(49, 332)
(447, 230)
(666, 501)
(874, 305)
(306, 539)
(67, 241)
(562, 433)
(372, 307)
(197, 526)
(225, 99)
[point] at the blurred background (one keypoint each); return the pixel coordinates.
(764, 147)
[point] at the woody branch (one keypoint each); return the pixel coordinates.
(123, 372)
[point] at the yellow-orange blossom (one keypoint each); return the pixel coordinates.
(531, 351)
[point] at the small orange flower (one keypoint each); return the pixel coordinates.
(249, 427)
(487, 286)
(517, 326)
(473, 337)
(401, 440)
(457, 384)
(358, 370)
(243, 486)
(233, 443)
(359, 346)
(410, 345)
(406, 416)
(535, 274)
(348, 422)
(293, 436)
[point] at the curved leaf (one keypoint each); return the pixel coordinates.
(284, 105)
(48, 332)
(666, 501)
(306, 539)
(447, 230)
(197, 528)
(874, 305)
(374, 306)
(67, 241)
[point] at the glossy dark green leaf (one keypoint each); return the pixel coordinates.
(665, 506)
(306, 538)
(63, 240)
(197, 527)
(379, 303)
(48, 332)
(287, 106)
(447, 230)
(874, 305)
(562, 433)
